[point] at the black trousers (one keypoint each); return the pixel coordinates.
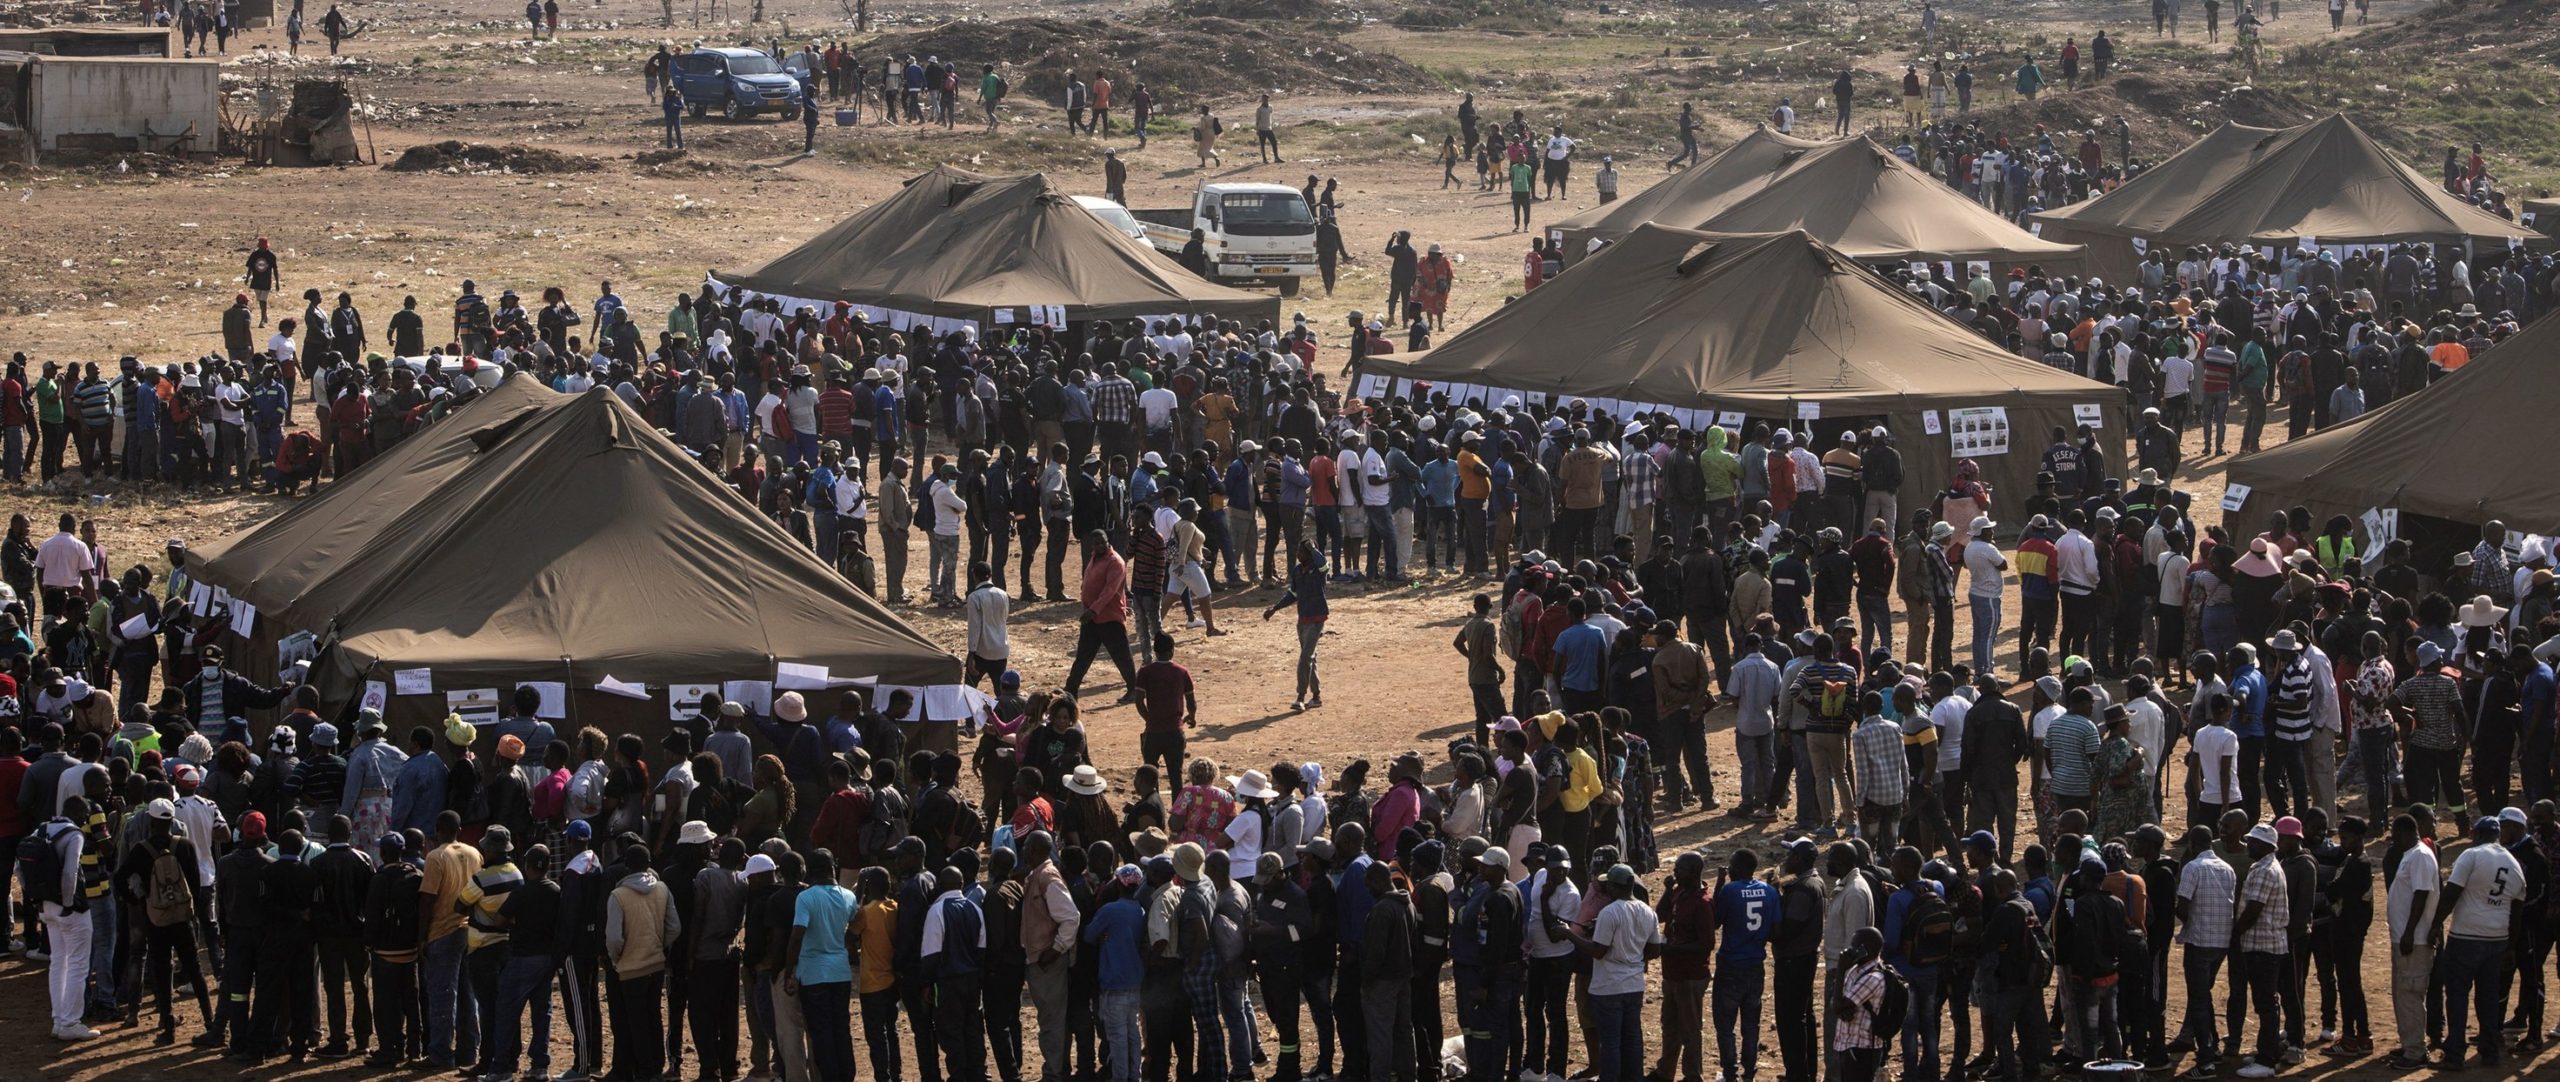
(1000, 990)
(959, 1029)
(1279, 976)
(395, 1006)
(915, 997)
(286, 1013)
(1165, 1017)
(342, 966)
(1350, 1020)
(1796, 1044)
(1060, 531)
(1095, 636)
(638, 1052)
(713, 1006)
(679, 999)
(166, 952)
(578, 993)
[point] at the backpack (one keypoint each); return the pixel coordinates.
(968, 826)
(888, 824)
(1929, 930)
(168, 898)
(1002, 88)
(391, 909)
(1835, 700)
(2040, 962)
(40, 865)
(1892, 1008)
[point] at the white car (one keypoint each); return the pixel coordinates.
(1114, 215)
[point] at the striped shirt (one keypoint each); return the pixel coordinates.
(2072, 743)
(480, 899)
(1883, 772)
(2290, 701)
(2209, 886)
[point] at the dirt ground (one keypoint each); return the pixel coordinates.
(140, 261)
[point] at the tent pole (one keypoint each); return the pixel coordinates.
(568, 688)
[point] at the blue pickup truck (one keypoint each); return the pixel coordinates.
(738, 82)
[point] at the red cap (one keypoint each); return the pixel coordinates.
(253, 827)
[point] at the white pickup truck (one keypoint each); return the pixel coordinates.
(1253, 233)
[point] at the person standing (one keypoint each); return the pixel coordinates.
(2409, 914)
(641, 926)
(1746, 913)
(820, 970)
(1689, 125)
(1204, 138)
(2471, 929)
(1857, 1005)
(162, 880)
(346, 877)
(1051, 925)
(1266, 138)
(535, 920)
(1624, 936)
(2259, 932)
(1486, 949)
(952, 955)
(1104, 598)
(392, 934)
(672, 105)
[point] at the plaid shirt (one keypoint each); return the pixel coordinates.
(1883, 772)
(1639, 480)
(2209, 886)
(2265, 885)
(1113, 400)
(2490, 574)
(1864, 989)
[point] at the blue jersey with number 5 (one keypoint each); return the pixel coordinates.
(1746, 915)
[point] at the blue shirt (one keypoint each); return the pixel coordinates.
(2537, 694)
(2039, 893)
(419, 797)
(1440, 483)
(1746, 914)
(2249, 692)
(1897, 909)
(1585, 650)
(1119, 933)
(824, 910)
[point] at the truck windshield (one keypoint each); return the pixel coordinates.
(1264, 214)
(752, 65)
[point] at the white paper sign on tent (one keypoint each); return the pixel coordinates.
(795, 676)
(1808, 411)
(2089, 415)
(628, 690)
(2234, 496)
(1930, 423)
(479, 706)
(555, 697)
(413, 681)
(376, 696)
(244, 619)
(755, 695)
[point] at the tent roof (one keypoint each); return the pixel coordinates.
(536, 536)
(957, 244)
(1853, 194)
(1686, 318)
(2326, 179)
(2459, 449)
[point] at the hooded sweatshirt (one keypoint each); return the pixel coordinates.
(640, 922)
(1720, 473)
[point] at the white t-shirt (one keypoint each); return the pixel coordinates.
(2417, 872)
(2491, 882)
(2173, 579)
(1626, 927)
(2222, 787)
(2176, 374)
(227, 400)
(1567, 901)
(1559, 148)
(1984, 565)
(2149, 727)
(1244, 837)
(281, 344)
(1948, 717)
(1158, 403)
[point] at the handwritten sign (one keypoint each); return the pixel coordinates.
(413, 681)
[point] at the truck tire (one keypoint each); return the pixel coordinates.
(731, 112)
(1289, 286)
(699, 110)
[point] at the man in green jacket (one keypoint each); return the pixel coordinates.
(53, 418)
(2250, 379)
(1720, 476)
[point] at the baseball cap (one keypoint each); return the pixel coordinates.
(2513, 815)
(1496, 857)
(1619, 875)
(580, 829)
(161, 810)
(2485, 826)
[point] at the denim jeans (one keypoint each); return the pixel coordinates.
(106, 935)
(2216, 421)
(1120, 1030)
(1986, 630)
(2479, 970)
(1757, 754)
(1738, 990)
(2202, 964)
(449, 1000)
(944, 553)
(1619, 1024)
(1920, 1029)
(524, 982)
(1386, 548)
(828, 1008)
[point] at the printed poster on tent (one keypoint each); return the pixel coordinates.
(1976, 431)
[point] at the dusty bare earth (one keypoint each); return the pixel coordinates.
(139, 259)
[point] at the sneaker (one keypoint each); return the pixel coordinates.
(2204, 1069)
(39, 955)
(74, 1033)
(2292, 1057)
(2257, 1070)
(2328, 1035)
(2402, 1061)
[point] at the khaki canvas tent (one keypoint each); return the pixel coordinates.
(1718, 328)
(958, 247)
(2326, 180)
(533, 537)
(1852, 194)
(2466, 450)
